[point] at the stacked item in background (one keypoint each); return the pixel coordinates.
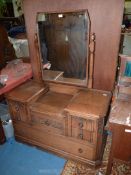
(2, 136)
(4, 113)
(6, 124)
(123, 87)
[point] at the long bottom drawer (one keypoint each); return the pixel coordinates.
(61, 145)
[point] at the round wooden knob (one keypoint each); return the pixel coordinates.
(80, 150)
(23, 132)
(80, 136)
(18, 118)
(17, 108)
(47, 122)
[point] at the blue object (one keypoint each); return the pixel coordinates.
(3, 109)
(16, 30)
(20, 159)
(127, 72)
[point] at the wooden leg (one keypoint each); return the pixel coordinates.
(109, 166)
(110, 160)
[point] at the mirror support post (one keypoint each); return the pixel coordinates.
(91, 60)
(38, 56)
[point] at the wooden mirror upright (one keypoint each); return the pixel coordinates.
(68, 117)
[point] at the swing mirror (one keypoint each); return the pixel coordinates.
(64, 42)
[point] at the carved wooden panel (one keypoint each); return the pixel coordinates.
(18, 111)
(49, 124)
(83, 129)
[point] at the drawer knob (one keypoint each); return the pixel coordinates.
(80, 150)
(18, 118)
(17, 108)
(33, 121)
(81, 136)
(81, 125)
(22, 132)
(47, 123)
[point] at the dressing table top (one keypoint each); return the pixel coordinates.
(89, 103)
(120, 113)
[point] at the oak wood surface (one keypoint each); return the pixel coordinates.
(43, 120)
(26, 91)
(91, 103)
(72, 149)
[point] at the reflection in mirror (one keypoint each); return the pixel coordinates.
(63, 41)
(18, 38)
(123, 88)
(125, 66)
(124, 78)
(128, 69)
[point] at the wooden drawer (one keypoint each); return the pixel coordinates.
(55, 143)
(83, 129)
(18, 111)
(44, 122)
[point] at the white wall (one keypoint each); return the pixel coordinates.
(128, 9)
(128, 4)
(16, 12)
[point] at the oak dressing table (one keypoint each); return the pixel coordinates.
(64, 109)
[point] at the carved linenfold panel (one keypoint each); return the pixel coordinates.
(18, 111)
(88, 136)
(82, 128)
(16, 107)
(78, 122)
(100, 126)
(90, 125)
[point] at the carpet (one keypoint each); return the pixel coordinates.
(20, 159)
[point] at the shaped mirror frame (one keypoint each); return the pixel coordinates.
(64, 46)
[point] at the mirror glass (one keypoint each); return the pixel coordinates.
(63, 40)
